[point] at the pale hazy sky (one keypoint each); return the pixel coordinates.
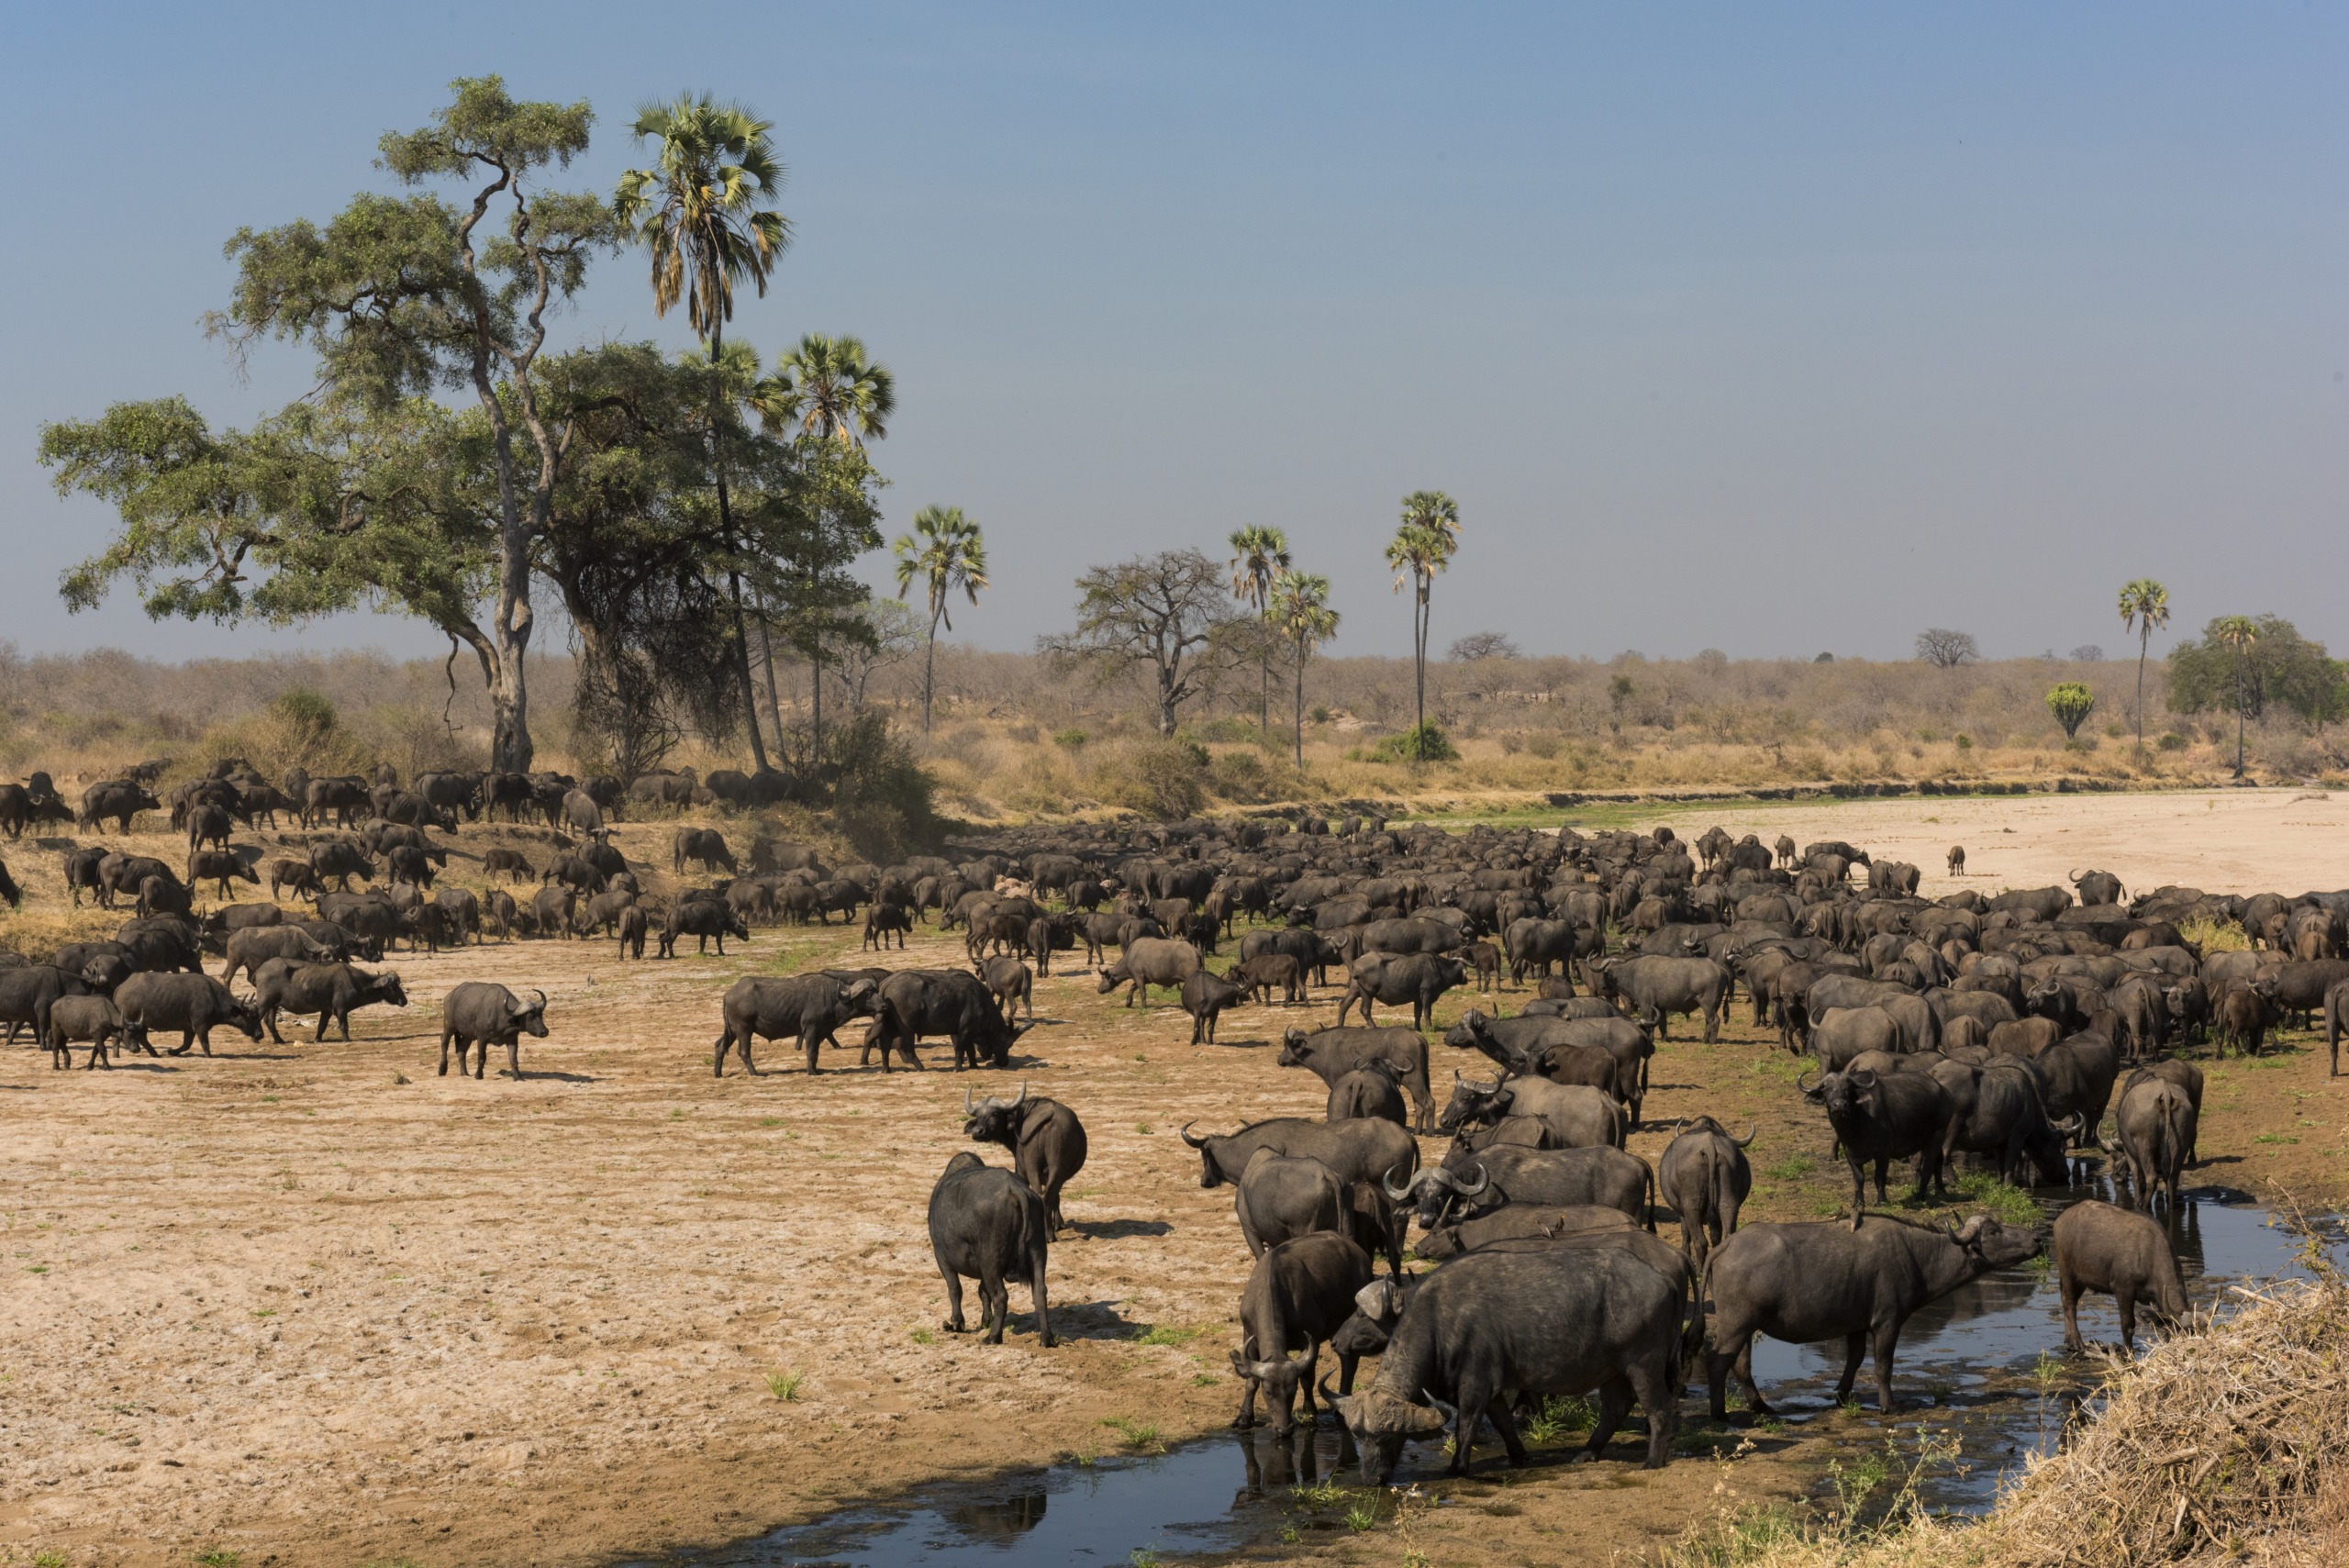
(1764, 329)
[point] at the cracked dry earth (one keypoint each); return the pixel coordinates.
(313, 1303)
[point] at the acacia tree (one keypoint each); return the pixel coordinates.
(945, 551)
(401, 296)
(1422, 546)
(1258, 552)
(1299, 608)
(319, 508)
(2144, 606)
(1167, 611)
(698, 212)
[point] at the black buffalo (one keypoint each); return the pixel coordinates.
(483, 1013)
(987, 1223)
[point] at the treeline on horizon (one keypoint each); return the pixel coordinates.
(91, 711)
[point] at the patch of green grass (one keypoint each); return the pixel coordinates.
(1167, 1334)
(769, 1121)
(1362, 1515)
(50, 1558)
(218, 1557)
(1793, 1170)
(1321, 1494)
(2263, 1138)
(1557, 1418)
(1134, 1434)
(1203, 1379)
(2007, 1204)
(1143, 1557)
(785, 1384)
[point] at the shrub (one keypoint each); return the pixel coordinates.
(882, 797)
(1425, 743)
(1318, 714)
(1158, 778)
(2071, 703)
(2171, 742)
(1070, 739)
(1966, 742)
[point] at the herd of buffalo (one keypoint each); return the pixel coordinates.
(2004, 1033)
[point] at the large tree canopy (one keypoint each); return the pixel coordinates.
(2279, 668)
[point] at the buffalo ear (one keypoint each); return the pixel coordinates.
(1417, 1419)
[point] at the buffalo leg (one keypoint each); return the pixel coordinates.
(2069, 1285)
(1504, 1420)
(1039, 1295)
(954, 1324)
(1247, 1415)
(1855, 1348)
(1614, 1404)
(994, 1304)
(1883, 1169)
(461, 1065)
(1657, 1386)
(1887, 1340)
(2127, 1295)
(718, 1060)
(1859, 1188)
(513, 1057)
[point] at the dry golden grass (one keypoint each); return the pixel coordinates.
(2227, 1444)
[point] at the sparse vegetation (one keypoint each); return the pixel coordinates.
(785, 1384)
(1133, 1433)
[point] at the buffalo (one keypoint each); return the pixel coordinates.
(332, 991)
(1301, 1289)
(809, 1008)
(481, 1013)
(1805, 1282)
(195, 1005)
(1045, 1138)
(2125, 1255)
(984, 1222)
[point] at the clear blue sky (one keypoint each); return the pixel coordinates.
(1770, 328)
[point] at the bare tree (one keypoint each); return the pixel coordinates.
(2089, 653)
(1946, 650)
(1483, 645)
(1167, 612)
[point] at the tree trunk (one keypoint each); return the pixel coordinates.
(733, 577)
(1300, 707)
(1165, 703)
(816, 703)
(929, 673)
(2143, 639)
(766, 663)
(1419, 673)
(509, 697)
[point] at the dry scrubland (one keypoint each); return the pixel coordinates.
(1014, 740)
(311, 1303)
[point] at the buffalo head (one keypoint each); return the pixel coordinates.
(1381, 1424)
(1277, 1378)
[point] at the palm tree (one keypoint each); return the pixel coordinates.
(2238, 633)
(698, 211)
(946, 551)
(1423, 546)
(832, 390)
(2144, 605)
(1257, 553)
(1298, 604)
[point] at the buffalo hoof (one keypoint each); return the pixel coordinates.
(1583, 1456)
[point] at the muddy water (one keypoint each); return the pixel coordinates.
(1969, 1366)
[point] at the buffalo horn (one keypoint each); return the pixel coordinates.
(1194, 1143)
(1304, 1357)
(1387, 1183)
(1023, 1093)
(966, 1102)
(1747, 1141)
(1810, 1093)
(1484, 1179)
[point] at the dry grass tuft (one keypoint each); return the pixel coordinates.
(2228, 1444)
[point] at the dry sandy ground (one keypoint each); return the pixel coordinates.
(313, 1303)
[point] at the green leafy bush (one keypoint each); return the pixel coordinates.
(882, 797)
(2071, 703)
(1425, 742)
